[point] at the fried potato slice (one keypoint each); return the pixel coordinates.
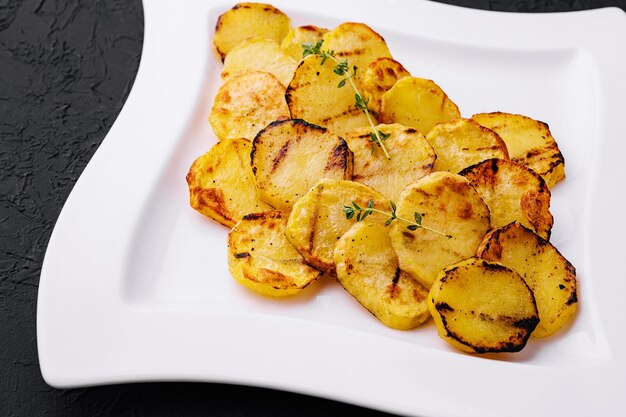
(317, 220)
(449, 204)
(367, 267)
(247, 103)
(461, 142)
(379, 76)
(292, 44)
(412, 157)
(529, 142)
(512, 192)
(290, 156)
(261, 258)
(418, 103)
(313, 96)
(221, 183)
(480, 306)
(550, 276)
(358, 43)
(256, 54)
(249, 20)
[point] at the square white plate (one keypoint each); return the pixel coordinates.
(135, 285)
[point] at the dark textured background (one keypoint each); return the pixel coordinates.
(66, 67)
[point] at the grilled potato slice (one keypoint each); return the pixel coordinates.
(412, 157)
(418, 103)
(358, 43)
(480, 306)
(460, 143)
(449, 204)
(221, 183)
(379, 76)
(290, 156)
(263, 55)
(317, 220)
(261, 258)
(367, 268)
(292, 44)
(512, 192)
(249, 20)
(551, 277)
(247, 103)
(529, 142)
(313, 96)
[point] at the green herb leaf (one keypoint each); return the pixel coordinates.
(412, 227)
(342, 83)
(418, 218)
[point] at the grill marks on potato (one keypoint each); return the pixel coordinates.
(247, 103)
(481, 307)
(512, 192)
(317, 220)
(367, 268)
(249, 20)
(261, 258)
(290, 156)
(412, 157)
(551, 277)
(221, 183)
(529, 142)
(449, 204)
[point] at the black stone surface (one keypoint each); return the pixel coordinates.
(66, 67)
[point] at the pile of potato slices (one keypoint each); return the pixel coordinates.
(453, 224)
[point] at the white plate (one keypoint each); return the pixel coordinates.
(135, 285)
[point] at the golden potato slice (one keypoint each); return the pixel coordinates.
(263, 55)
(367, 267)
(317, 220)
(313, 95)
(221, 183)
(551, 277)
(290, 156)
(529, 142)
(460, 143)
(418, 103)
(358, 43)
(481, 307)
(292, 44)
(449, 204)
(261, 258)
(412, 157)
(379, 76)
(246, 104)
(512, 192)
(249, 20)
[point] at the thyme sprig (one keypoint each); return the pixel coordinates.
(362, 213)
(342, 69)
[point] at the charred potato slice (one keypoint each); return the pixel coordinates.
(247, 103)
(367, 268)
(290, 156)
(460, 143)
(530, 143)
(449, 204)
(263, 55)
(481, 307)
(512, 192)
(317, 220)
(551, 277)
(261, 258)
(313, 96)
(358, 43)
(249, 20)
(221, 183)
(418, 103)
(378, 78)
(412, 157)
(292, 44)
